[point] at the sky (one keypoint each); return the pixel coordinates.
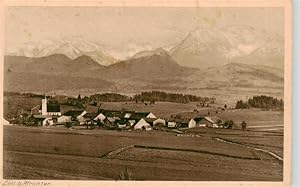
(129, 27)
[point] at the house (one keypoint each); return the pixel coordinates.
(202, 122)
(48, 122)
(192, 123)
(51, 109)
(142, 124)
(210, 123)
(171, 124)
(64, 119)
(159, 122)
(110, 122)
(100, 117)
(80, 118)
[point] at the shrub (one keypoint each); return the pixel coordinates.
(126, 175)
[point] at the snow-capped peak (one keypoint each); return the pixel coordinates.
(72, 47)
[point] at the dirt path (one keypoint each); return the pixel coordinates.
(251, 147)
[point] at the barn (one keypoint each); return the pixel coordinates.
(202, 122)
(142, 124)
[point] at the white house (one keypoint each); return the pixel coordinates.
(159, 121)
(171, 124)
(100, 117)
(142, 124)
(150, 115)
(64, 119)
(131, 122)
(192, 123)
(48, 122)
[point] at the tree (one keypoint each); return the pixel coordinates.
(225, 106)
(241, 105)
(79, 97)
(244, 125)
(228, 124)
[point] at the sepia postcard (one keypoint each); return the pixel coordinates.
(146, 93)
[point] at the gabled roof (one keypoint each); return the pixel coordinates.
(209, 119)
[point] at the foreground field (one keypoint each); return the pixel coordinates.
(38, 153)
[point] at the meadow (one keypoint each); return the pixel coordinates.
(49, 153)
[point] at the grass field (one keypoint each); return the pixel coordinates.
(49, 153)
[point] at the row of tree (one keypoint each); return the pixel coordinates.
(262, 101)
(151, 97)
(171, 97)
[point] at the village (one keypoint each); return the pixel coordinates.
(49, 114)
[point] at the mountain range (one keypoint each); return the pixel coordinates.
(71, 47)
(206, 48)
(200, 48)
(227, 58)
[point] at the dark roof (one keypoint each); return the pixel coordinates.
(139, 115)
(90, 115)
(182, 121)
(111, 113)
(150, 120)
(51, 107)
(73, 113)
(198, 119)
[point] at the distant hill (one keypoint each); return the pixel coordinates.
(22, 73)
(149, 66)
(237, 75)
(151, 70)
(56, 64)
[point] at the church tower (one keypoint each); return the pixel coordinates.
(44, 106)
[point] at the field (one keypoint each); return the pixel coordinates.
(198, 154)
